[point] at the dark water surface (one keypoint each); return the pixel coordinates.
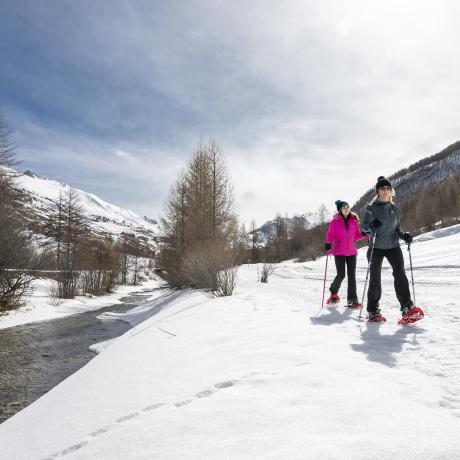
(35, 357)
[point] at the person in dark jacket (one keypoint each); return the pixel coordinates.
(382, 218)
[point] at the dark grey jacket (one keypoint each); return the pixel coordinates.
(389, 233)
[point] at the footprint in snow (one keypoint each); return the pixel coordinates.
(127, 417)
(226, 384)
(183, 403)
(67, 451)
(204, 394)
(101, 431)
(152, 407)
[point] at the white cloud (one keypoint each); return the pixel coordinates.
(126, 156)
(311, 100)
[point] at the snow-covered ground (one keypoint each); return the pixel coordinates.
(39, 306)
(265, 375)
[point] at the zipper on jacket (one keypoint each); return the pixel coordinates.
(389, 225)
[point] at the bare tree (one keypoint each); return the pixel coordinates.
(68, 229)
(267, 270)
(7, 147)
(298, 237)
(17, 256)
(98, 264)
(199, 222)
(323, 214)
(54, 228)
(255, 240)
(173, 231)
(130, 251)
(278, 239)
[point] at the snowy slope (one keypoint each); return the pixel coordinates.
(425, 173)
(265, 375)
(312, 219)
(103, 217)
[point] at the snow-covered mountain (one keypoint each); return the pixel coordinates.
(429, 171)
(103, 218)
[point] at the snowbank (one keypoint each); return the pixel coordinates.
(38, 305)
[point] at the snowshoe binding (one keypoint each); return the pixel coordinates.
(354, 304)
(333, 299)
(410, 315)
(375, 317)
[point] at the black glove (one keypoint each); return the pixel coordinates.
(408, 238)
(375, 224)
(328, 246)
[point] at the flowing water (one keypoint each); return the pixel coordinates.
(35, 357)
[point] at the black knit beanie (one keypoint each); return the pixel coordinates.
(382, 182)
(340, 204)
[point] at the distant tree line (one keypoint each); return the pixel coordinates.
(419, 176)
(434, 207)
(291, 238)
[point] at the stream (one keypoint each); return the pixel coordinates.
(35, 357)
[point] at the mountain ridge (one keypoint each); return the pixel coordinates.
(104, 218)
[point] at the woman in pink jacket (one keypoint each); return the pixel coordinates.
(343, 231)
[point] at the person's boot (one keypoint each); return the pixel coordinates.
(334, 298)
(353, 303)
(375, 316)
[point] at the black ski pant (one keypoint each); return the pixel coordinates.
(396, 260)
(340, 262)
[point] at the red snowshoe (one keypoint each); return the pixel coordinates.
(413, 315)
(354, 304)
(333, 299)
(376, 317)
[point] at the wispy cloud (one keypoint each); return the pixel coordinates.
(310, 100)
(126, 156)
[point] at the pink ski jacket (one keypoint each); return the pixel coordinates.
(343, 236)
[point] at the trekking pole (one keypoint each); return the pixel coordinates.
(368, 269)
(324, 287)
(411, 272)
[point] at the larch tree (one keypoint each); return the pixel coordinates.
(199, 226)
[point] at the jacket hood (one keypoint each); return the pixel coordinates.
(337, 216)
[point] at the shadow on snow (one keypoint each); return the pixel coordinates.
(379, 348)
(333, 317)
(383, 348)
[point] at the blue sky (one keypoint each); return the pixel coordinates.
(309, 100)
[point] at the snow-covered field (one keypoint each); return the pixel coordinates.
(265, 375)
